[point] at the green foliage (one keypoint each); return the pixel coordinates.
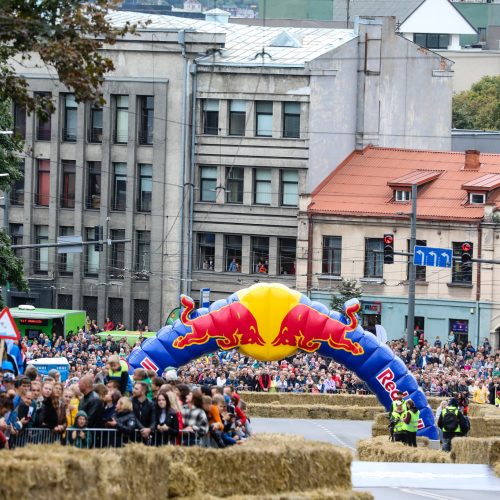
(347, 289)
(66, 35)
(479, 107)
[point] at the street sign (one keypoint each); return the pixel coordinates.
(74, 244)
(8, 327)
(432, 256)
(205, 297)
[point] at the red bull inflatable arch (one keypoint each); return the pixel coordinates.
(270, 322)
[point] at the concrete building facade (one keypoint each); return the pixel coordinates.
(274, 109)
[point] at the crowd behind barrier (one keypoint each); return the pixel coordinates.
(98, 367)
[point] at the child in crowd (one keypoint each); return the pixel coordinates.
(78, 434)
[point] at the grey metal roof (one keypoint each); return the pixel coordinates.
(244, 42)
(400, 9)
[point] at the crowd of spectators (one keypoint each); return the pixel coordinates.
(146, 404)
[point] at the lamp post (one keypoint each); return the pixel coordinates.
(410, 323)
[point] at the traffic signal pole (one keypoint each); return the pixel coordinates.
(410, 323)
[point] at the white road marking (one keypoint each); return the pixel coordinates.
(330, 433)
(426, 494)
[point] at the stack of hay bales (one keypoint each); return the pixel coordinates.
(471, 450)
(380, 449)
(267, 465)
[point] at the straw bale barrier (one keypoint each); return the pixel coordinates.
(482, 427)
(275, 410)
(471, 450)
(303, 495)
(287, 398)
(486, 410)
(380, 449)
(266, 465)
(496, 468)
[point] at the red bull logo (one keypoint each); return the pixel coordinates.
(232, 325)
(306, 328)
(386, 379)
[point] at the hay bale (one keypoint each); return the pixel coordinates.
(303, 495)
(469, 450)
(380, 449)
(496, 468)
(484, 426)
(313, 411)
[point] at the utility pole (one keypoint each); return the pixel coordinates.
(410, 324)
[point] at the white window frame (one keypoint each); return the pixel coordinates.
(471, 198)
(402, 195)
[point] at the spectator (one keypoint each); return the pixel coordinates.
(480, 394)
(91, 403)
(144, 409)
(109, 325)
(125, 422)
(194, 418)
(452, 423)
(78, 435)
(167, 419)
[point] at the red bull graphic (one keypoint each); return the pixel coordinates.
(297, 330)
(219, 325)
(269, 322)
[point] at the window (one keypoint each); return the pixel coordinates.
(332, 255)
(211, 116)
(208, 183)
(290, 188)
(287, 250)
(145, 187)
(68, 184)
(41, 255)
(95, 130)
(432, 40)
(141, 312)
(143, 256)
(477, 198)
(237, 117)
(234, 185)
(146, 105)
(90, 306)
(291, 119)
(264, 118)
(262, 186)
(42, 195)
(64, 301)
(461, 273)
(70, 118)
(115, 309)
(121, 119)
(117, 264)
(17, 190)
(16, 237)
(420, 271)
(232, 253)
(206, 251)
(400, 195)
(19, 117)
(374, 262)
(260, 254)
(120, 186)
(65, 260)
(43, 126)
(91, 267)
(94, 184)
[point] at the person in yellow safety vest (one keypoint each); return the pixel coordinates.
(411, 423)
(118, 371)
(452, 422)
(399, 397)
(399, 432)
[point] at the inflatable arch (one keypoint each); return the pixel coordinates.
(270, 322)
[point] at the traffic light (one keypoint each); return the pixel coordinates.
(466, 253)
(98, 236)
(388, 249)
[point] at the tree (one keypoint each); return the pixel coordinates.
(479, 107)
(67, 35)
(11, 268)
(347, 289)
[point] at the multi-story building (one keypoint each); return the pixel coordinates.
(342, 225)
(197, 183)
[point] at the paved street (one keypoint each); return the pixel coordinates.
(388, 481)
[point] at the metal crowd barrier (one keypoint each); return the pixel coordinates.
(101, 438)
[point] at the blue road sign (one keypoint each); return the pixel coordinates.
(431, 256)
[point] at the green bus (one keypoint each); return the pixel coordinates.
(54, 323)
(130, 336)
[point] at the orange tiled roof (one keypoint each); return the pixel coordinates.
(418, 177)
(486, 182)
(359, 186)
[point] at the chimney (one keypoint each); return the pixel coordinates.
(472, 159)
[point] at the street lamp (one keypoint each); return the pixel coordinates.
(410, 323)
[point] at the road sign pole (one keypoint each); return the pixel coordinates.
(2, 348)
(410, 324)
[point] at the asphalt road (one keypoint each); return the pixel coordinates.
(391, 481)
